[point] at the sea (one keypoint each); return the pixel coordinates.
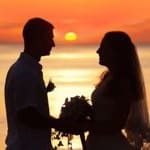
(74, 70)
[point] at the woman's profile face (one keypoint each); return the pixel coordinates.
(104, 52)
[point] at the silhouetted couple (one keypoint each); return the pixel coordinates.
(118, 101)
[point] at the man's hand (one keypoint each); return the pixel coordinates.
(50, 86)
(72, 126)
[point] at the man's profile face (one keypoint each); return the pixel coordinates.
(47, 42)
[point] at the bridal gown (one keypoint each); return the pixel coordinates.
(105, 108)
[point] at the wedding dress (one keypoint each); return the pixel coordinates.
(103, 106)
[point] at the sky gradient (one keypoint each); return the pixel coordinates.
(89, 19)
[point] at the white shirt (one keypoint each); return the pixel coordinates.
(25, 87)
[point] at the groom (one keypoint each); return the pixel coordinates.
(25, 92)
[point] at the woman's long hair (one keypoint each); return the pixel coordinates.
(125, 61)
(127, 66)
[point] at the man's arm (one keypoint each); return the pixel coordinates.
(32, 118)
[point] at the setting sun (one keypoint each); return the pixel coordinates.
(70, 36)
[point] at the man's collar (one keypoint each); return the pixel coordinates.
(30, 60)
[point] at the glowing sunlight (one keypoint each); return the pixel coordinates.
(70, 36)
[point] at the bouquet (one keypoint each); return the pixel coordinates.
(78, 109)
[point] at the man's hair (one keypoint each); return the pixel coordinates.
(34, 28)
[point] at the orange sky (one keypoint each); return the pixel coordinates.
(90, 19)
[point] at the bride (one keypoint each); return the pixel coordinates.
(119, 98)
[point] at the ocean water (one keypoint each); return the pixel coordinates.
(73, 69)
